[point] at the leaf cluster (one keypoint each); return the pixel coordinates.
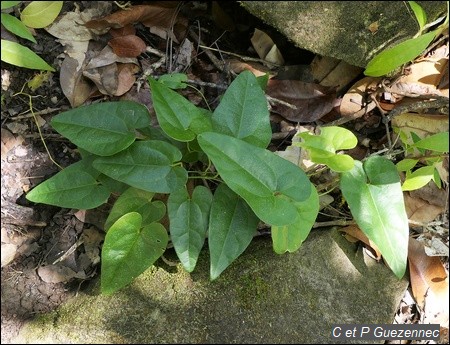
(210, 174)
(37, 14)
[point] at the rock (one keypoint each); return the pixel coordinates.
(261, 298)
(353, 31)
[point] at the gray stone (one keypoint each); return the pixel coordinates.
(340, 29)
(261, 298)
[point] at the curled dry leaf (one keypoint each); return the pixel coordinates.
(127, 46)
(74, 85)
(162, 14)
(266, 48)
(257, 69)
(419, 210)
(355, 99)
(307, 102)
(354, 233)
(429, 282)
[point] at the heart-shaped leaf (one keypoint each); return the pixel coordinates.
(73, 187)
(270, 184)
(232, 226)
(242, 112)
(375, 198)
(103, 128)
(129, 249)
(147, 165)
(136, 200)
(189, 223)
(289, 238)
(179, 118)
(323, 147)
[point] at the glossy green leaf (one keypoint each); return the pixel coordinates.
(39, 14)
(437, 178)
(174, 81)
(129, 249)
(406, 51)
(189, 223)
(270, 184)
(8, 4)
(18, 55)
(420, 14)
(322, 148)
(136, 200)
(406, 164)
(14, 25)
(232, 226)
(437, 142)
(242, 112)
(179, 118)
(147, 165)
(72, 187)
(375, 198)
(102, 128)
(289, 238)
(418, 178)
(263, 80)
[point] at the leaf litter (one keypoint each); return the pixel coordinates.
(98, 65)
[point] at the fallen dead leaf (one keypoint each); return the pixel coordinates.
(308, 102)
(429, 283)
(354, 232)
(127, 46)
(355, 99)
(74, 85)
(58, 274)
(256, 68)
(266, 48)
(419, 210)
(8, 142)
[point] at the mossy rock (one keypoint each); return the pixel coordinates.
(261, 298)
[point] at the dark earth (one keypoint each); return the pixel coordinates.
(37, 235)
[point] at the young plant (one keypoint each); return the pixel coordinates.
(372, 190)
(243, 182)
(37, 14)
(390, 59)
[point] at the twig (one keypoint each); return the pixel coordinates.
(218, 64)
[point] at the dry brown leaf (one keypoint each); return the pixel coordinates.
(419, 210)
(353, 100)
(257, 69)
(127, 46)
(126, 30)
(74, 85)
(58, 274)
(355, 232)
(429, 281)
(266, 48)
(309, 102)
(8, 142)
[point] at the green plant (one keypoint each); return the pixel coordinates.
(428, 152)
(220, 179)
(37, 14)
(390, 59)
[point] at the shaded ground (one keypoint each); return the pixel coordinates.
(38, 235)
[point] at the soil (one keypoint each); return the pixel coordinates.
(35, 235)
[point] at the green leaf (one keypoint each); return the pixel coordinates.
(9, 4)
(375, 198)
(323, 147)
(147, 165)
(289, 238)
(113, 186)
(263, 80)
(406, 164)
(39, 14)
(189, 223)
(174, 81)
(136, 200)
(103, 128)
(14, 25)
(18, 55)
(437, 142)
(232, 226)
(268, 183)
(418, 178)
(130, 249)
(179, 118)
(437, 179)
(72, 187)
(406, 51)
(242, 112)
(420, 14)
